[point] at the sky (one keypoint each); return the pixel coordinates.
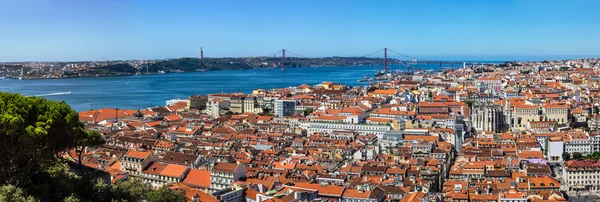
(75, 30)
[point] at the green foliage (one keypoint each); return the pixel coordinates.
(566, 156)
(196, 64)
(595, 156)
(135, 190)
(165, 194)
(92, 139)
(577, 156)
(470, 103)
(12, 193)
(33, 131)
(71, 198)
(44, 127)
(58, 184)
(307, 111)
(118, 68)
(266, 110)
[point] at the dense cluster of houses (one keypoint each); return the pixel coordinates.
(511, 132)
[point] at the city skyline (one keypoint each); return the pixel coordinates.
(300, 101)
(468, 30)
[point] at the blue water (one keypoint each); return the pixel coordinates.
(142, 91)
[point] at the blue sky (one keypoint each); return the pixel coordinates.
(58, 30)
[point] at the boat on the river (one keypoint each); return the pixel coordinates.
(365, 79)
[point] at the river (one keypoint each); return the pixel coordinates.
(142, 91)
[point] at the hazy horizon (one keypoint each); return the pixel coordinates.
(523, 58)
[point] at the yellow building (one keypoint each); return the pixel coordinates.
(258, 92)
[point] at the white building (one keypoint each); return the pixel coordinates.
(512, 196)
(172, 102)
(362, 129)
(579, 144)
(222, 175)
(555, 150)
(160, 174)
(581, 175)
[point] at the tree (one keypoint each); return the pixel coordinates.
(595, 155)
(470, 103)
(566, 156)
(307, 111)
(92, 139)
(12, 193)
(577, 156)
(135, 190)
(165, 194)
(71, 198)
(33, 131)
(43, 127)
(266, 110)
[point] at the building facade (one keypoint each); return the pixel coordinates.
(487, 116)
(285, 107)
(581, 175)
(222, 175)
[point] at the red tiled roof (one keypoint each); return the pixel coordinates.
(173, 170)
(198, 178)
(138, 154)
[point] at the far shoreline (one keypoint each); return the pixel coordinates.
(150, 74)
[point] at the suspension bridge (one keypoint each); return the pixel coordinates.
(407, 61)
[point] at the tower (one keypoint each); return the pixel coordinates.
(201, 53)
(508, 115)
(385, 68)
(283, 59)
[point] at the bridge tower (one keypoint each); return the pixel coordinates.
(283, 59)
(385, 67)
